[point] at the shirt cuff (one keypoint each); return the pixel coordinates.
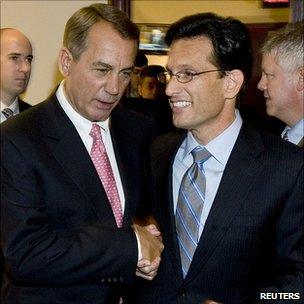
(139, 248)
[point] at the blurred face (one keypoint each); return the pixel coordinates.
(198, 105)
(135, 78)
(95, 82)
(16, 57)
(151, 88)
(279, 88)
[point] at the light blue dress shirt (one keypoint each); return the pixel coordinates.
(220, 148)
(296, 133)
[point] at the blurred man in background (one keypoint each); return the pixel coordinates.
(15, 58)
(141, 61)
(282, 79)
(152, 101)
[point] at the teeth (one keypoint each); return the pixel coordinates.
(181, 104)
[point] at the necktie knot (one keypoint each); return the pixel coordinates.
(8, 113)
(200, 155)
(95, 132)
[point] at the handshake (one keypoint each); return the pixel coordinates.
(151, 246)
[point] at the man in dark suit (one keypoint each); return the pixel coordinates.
(282, 80)
(228, 197)
(15, 66)
(15, 58)
(72, 175)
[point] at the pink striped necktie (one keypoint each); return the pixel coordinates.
(103, 167)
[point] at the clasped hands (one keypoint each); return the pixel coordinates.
(151, 249)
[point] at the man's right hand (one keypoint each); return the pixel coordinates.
(150, 242)
(151, 249)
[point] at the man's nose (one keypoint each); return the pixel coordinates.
(24, 66)
(262, 83)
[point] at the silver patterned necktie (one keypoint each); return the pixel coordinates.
(189, 207)
(8, 113)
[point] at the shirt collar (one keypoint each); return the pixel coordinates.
(221, 146)
(296, 133)
(14, 106)
(82, 124)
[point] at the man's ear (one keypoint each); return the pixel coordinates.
(64, 61)
(233, 83)
(139, 89)
(300, 79)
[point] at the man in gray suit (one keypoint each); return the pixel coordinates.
(282, 80)
(16, 58)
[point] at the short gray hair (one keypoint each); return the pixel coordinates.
(287, 46)
(78, 26)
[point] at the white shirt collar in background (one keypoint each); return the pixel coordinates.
(14, 107)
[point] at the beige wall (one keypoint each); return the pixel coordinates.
(43, 22)
(249, 11)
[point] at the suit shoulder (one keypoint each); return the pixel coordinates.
(280, 145)
(132, 120)
(274, 150)
(24, 122)
(23, 105)
(167, 143)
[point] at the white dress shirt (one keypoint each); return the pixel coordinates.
(14, 107)
(220, 149)
(296, 133)
(83, 127)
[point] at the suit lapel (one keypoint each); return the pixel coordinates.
(241, 169)
(120, 140)
(167, 210)
(67, 147)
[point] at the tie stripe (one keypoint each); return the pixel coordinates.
(189, 207)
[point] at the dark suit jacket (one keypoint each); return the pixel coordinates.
(158, 110)
(253, 238)
(23, 105)
(59, 236)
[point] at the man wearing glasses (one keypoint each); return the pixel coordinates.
(229, 197)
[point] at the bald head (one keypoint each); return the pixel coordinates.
(15, 58)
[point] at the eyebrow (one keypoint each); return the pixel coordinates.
(182, 67)
(106, 65)
(102, 64)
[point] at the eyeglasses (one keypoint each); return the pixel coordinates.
(182, 77)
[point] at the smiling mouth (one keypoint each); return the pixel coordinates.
(180, 104)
